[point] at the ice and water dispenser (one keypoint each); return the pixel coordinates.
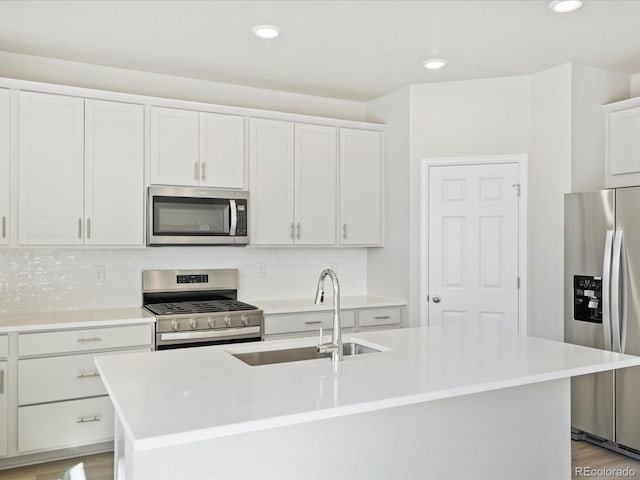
(587, 298)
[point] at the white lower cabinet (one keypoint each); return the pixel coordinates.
(3, 408)
(308, 324)
(61, 399)
(56, 425)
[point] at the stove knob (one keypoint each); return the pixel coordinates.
(174, 324)
(227, 321)
(211, 321)
(193, 322)
(245, 320)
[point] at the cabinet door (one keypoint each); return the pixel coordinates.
(51, 131)
(114, 162)
(623, 147)
(3, 408)
(271, 185)
(222, 151)
(360, 188)
(315, 185)
(5, 178)
(174, 147)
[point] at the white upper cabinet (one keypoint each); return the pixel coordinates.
(222, 159)
(174, 146)
(623, 143)
(196, 149)
(315, 185)
(293, 183)
(51, 131)
(361, 193)
(271, 182)
(114, 168)
(5, 161)
(80, 184)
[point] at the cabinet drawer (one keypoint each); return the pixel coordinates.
(378, 317)
(84, 340)
(65, 424)
(59, 378)
(4, 346)
(305, 322)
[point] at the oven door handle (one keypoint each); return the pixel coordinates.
(234, 218)
(226, 332)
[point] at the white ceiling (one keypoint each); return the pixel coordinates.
(355, 50)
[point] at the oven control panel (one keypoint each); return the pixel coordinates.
(192, 278)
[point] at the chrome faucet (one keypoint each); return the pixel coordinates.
(335, 346)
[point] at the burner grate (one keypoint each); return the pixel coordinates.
(206, 306)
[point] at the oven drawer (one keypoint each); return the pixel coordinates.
(4, 346)
(68, 341)
(378, 317)
(60, 378)
(65, 424)
(305, 322)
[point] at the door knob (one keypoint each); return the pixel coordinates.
(436, 299)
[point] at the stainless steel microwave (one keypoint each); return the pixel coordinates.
(197, 216)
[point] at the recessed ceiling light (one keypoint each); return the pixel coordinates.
(266, 31)
(434, 63)
(565, 6)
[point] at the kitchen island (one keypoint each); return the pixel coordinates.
(432, 403)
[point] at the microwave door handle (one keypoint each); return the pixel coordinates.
(234, 218)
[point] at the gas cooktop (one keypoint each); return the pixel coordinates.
(202, 306)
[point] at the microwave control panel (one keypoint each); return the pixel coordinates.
(241, 225)
(587, 298)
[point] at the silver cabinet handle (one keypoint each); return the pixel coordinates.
(88, 375)
(298, 231)
(79, 228)
(344, 231)
(436, 299)
(4, 227)
(95, 418)
(89, 339)
(317, 322)
(1, 381)
(291, 231)
(88, 228)
(204, 171)
(383, 317)
(195, 170)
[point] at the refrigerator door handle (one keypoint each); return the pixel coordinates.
(616, 297)
(606, 290)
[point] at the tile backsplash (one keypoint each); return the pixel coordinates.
(36, 280)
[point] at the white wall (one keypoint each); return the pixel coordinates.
(49, 70)
(590, 89)
(62, 279)
(33, 280)
(476, 117)
(388, 267)
(549, 179)
(635, 85)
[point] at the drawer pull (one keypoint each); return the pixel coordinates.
(95, 418)
(89, 339)
(1, 381)
(88, 375)
(316, 322)
(383, 317)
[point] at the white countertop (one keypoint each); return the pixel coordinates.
(170, 397)
(299, 305)
(22, 322)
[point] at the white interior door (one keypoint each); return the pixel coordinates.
(473, 245)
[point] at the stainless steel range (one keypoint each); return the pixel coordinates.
(199, 307)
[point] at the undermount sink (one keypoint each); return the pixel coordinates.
(267, 357)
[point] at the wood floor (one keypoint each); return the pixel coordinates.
(586, 460)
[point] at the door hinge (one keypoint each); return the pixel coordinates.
(517, 185)
(518, 282)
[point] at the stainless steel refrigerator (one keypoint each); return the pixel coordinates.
(602, 310)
